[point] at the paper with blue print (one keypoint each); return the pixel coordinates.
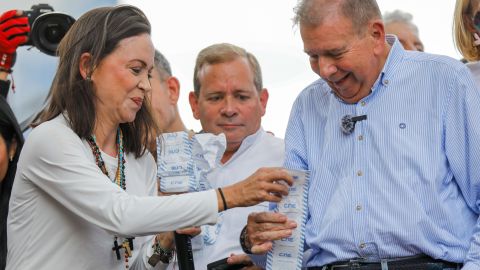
(184, 159)
(287, 253)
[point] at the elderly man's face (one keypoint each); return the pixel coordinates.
(350, 63)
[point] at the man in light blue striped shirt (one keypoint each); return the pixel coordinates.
(401, 186)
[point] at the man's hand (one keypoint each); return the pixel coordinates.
(14, 30)
(265, 227)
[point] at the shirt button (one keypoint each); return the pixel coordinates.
(359, 173)
(385, 82)
(359, 207)
(363, 103)
(362, 245)
(360, 137)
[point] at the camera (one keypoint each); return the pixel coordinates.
(47, 28)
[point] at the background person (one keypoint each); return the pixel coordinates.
(11, 142)
(401, 189)
(229, 98)
(165, 94)
(85, 183)
(14, 30)
(399, 23)
(466, 31)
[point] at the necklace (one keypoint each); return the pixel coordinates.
(119, 179)
(120, 174)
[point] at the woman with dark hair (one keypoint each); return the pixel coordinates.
(11, 142)
(84, 196)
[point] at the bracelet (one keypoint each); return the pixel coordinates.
(243, 241)
(161, 254)
(223, 199)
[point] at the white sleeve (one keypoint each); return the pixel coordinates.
(57, 162)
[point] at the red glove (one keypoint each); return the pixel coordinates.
(14, 31)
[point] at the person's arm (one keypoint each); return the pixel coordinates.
(55, 160)
(14, 30)
(3, 76)
(58, 162)
(462, 148)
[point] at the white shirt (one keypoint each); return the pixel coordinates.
(64, 212)
(257, 150)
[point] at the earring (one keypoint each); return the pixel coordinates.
(11, 158)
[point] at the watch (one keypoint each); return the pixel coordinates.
(243, 239)
(160, 254)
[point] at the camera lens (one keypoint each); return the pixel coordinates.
(54, 34)
(49, 29)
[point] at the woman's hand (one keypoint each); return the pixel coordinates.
(266, 184)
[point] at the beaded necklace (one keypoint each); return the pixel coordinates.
(119, 179)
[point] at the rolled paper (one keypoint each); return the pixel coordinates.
(287, 253)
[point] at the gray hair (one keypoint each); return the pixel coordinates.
(162, 65)
(360, 12)
(398, 16)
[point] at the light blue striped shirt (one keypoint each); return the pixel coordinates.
(407, 180)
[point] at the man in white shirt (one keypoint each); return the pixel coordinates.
(229, 98)
(165, 94)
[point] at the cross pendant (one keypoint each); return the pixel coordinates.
(116, 248)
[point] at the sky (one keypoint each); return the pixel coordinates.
(181, 28)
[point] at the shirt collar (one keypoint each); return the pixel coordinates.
(246, 143)
(394, 55)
